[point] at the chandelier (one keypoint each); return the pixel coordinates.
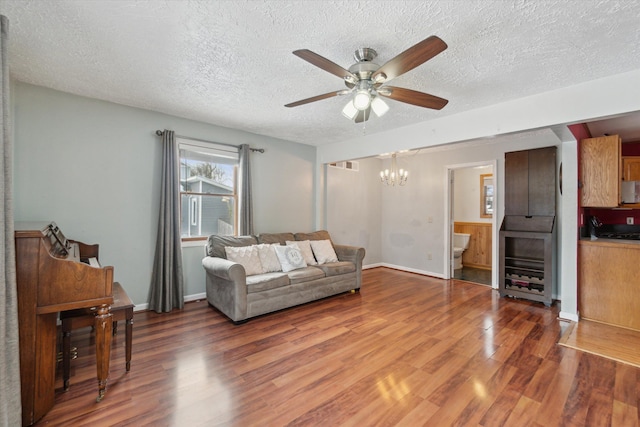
(395, 175)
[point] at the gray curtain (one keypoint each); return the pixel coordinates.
(167, 283)
(10, 404)
(245, 206)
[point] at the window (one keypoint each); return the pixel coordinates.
(486, 195)
(208, 190)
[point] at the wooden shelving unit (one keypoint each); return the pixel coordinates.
(527, 265)
(527, 235)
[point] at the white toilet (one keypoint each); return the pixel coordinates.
(460, 244)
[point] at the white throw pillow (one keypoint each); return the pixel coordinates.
(305, 248)
(268, 258)
(290, 257)
(324, 252)
(247, 256)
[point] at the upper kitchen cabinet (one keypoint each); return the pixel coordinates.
(601, 168)
(530, 189)
(631, 168)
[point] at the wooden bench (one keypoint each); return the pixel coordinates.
(121, 309)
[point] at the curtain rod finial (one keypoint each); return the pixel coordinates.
(159, 132)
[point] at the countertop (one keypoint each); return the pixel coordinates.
(632, 244)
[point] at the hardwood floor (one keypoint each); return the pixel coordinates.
(407, 350)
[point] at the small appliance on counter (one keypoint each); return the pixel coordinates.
(630, 191)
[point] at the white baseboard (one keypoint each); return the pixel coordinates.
(407, 269)
(187, 298)
(141, 307)
(569, 316)
(195, 297)
(366, 267)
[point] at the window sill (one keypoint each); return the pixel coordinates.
(194, 243)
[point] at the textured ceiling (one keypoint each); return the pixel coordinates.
(230, 63)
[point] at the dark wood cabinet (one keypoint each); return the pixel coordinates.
(527, 234)
(516, 183)
(530, 182)
(527, 263)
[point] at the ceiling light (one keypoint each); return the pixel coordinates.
(349, 110)
(362, 99)
(380, 78)
(395, 175)
(379, 106)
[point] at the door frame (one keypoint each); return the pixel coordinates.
(448, 215)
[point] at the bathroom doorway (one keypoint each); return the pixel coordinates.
(472, 222)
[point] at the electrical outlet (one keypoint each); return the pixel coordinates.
(429, 257)
(629, 220)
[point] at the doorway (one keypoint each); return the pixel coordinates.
(471, 227)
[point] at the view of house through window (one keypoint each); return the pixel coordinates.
(208, 190)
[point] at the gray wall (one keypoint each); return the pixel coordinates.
(93, 167)
(353, 207)
(413, 218)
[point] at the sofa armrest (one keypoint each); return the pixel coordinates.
(226, 286)
(350, 253)
(224, 268)
(353, 254)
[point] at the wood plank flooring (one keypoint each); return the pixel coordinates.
(613, 342)
(408, 350)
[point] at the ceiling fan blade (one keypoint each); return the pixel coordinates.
(315, 98)
(324, 63)
(409, 59)
(414, 97)
(363, 115)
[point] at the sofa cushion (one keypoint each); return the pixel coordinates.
(336, 268)
(268, 258)
(316, 235)
(247, 256)
(305, 275)
(279, 238)
(290, 258)
(305, 248)
(266, 281)
(216, 243)
(323, 251)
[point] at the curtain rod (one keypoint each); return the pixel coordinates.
(259, 150)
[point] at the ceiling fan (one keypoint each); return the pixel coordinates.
(367, 80)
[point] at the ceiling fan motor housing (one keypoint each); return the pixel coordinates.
(362, 70)
(365, 54)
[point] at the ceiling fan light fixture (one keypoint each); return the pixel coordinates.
(350, 79)
(362, 99)
(349, 110)
(379, 106)
(380, 78)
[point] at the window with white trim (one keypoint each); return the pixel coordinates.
(208, 189)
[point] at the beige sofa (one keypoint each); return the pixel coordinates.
(240, 296)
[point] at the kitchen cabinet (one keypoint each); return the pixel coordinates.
(530, 182)
(631, 168)
(609, 286)
(601, 171)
